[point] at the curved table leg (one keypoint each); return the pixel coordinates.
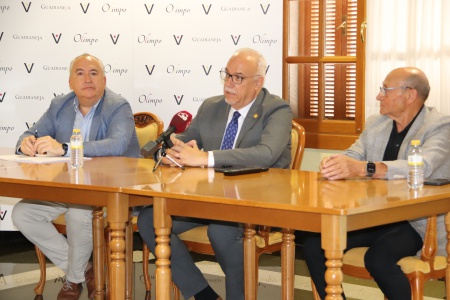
(163, 229)
(117, 218)
(251, 282)
(447, 270)
(334, 241)
(99, 251)
(288, 263)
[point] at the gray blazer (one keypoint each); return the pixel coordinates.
(112, 130)
(433, 130)
(264, 139)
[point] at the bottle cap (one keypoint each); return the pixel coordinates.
(78, 130)
(415, 142)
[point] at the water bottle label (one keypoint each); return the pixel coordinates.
(76, 145)
(415, 160)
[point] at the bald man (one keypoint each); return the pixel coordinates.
(381, 153)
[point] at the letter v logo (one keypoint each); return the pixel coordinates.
(151, 8)
(57, 37)
(1, 35)
(29, 69)
(28, 125)
(3, 215)
(207, 71)
(178, 99)
(178, 39)
(26, 8)
(85, 9)
(265, 10)
(206, 10)
(114, 38)
(150, 72)
(2, 96)
(236, 39)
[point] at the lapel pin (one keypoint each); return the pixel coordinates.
(255, 116)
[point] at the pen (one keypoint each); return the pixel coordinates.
(36, 134)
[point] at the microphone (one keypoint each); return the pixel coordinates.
(178, 124)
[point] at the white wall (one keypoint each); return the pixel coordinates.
(163, 56)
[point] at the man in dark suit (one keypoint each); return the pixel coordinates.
(261, 137)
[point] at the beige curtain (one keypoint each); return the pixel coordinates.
(408, 33)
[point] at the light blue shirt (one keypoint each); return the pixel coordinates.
(83, 122)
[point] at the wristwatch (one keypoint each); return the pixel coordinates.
(370, 169)
(65, 148)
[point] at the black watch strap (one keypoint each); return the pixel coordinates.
(65, 148)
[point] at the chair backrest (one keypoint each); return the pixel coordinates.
(148, 127)
(297, 145)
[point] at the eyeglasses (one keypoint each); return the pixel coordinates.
(237, 79)
(384, 89)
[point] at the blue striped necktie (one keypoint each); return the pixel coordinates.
(230, 133)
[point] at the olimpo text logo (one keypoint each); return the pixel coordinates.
(2, 96)
(108, 8)
(148, 39)
(4, 7)
(84, 38)
(115, 70)
(149, 99)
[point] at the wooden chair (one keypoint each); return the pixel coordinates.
(148, 127)
(267, 241)
(417, 269)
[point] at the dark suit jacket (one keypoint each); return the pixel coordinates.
(264, 139)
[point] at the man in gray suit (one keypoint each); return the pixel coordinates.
(381, 152)
(107, 125)
(261, 138)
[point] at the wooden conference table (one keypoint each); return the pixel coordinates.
(283, 198)
(98, 184)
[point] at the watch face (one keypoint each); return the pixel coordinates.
(370, 168)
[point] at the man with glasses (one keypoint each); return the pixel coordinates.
(245, 127)
(381, 153)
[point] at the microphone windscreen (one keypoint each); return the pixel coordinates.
(181, 121)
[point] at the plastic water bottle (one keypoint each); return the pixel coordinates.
(76, 149)
(415, 165)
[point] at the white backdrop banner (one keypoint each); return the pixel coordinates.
(163, 56)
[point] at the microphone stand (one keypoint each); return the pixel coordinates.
(161, 153)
